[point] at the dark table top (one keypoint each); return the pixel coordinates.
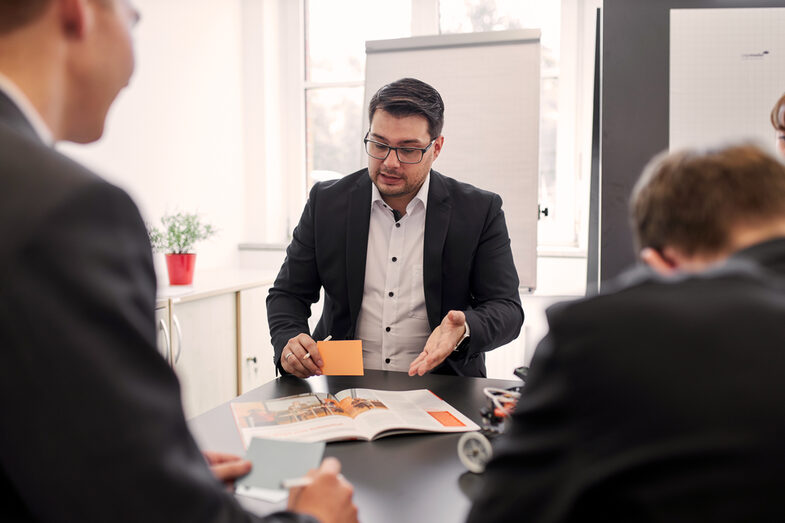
(412, 477)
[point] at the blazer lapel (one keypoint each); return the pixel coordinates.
(437, 221)
(357, 223)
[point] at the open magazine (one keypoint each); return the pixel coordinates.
(350, 414)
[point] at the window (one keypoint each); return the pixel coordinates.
(335, 34)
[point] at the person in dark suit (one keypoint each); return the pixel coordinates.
(415, 264)
(661, 399)
(91, 423)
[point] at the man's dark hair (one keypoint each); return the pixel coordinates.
(692, 200)
(15, 14)
(409, 97)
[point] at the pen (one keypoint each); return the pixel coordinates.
(303, 481)
(296, 482)
(328, 338)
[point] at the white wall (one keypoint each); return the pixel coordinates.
(174, 138)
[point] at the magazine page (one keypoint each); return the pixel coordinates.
(349, 414)
(377, 412)
(367, 410)
(306, 417)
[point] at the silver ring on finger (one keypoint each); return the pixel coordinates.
(289, 355)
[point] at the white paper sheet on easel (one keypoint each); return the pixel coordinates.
(727, 70)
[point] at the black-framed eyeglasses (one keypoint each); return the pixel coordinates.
(381, 151)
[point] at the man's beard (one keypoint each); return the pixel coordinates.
(398, 191)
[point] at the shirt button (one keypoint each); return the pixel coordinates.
(391, 294)
(394, 259)
(387, 360)
(397, 224)
(387, 329)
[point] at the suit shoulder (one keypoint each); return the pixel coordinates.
(37, 178)
(333, 196)
(467, 193)
(641, 293)
(341, 185)
(630, 287)
(39, 185)
(30, 161)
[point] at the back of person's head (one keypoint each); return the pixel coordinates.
(410, 97)
(695, 200)
(69, 58)
(15, 14)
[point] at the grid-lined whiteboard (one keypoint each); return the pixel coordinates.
(727, 70)
(490, 84)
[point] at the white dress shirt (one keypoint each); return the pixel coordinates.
(393, 323)
(21, 101)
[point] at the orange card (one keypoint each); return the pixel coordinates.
(341, 358)
(446, 418)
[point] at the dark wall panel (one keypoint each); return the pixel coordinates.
(635, 85)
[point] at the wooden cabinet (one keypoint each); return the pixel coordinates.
(204, 349)
(255, 365)
(218, 339)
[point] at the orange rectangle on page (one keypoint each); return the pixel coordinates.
(341, 358)
(446, 418)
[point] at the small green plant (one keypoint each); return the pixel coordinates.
(179, 233)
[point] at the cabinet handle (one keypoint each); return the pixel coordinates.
(179, 338)
(162, 326)
(251, 359)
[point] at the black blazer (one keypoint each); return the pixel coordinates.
(662, 401)
(467, 265)
(91, 424)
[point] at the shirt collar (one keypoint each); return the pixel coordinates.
(422, 194)
(28, 110)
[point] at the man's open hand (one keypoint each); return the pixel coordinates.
(440, 344)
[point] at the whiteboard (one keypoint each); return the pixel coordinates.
(490, 84)
(727, 70)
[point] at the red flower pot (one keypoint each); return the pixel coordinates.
(181, 268)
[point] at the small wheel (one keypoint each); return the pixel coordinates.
(475, 451)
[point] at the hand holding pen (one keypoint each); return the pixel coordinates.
(328, 338)
(327, 495)
(301, 358)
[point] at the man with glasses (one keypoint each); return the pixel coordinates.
(415, 264)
